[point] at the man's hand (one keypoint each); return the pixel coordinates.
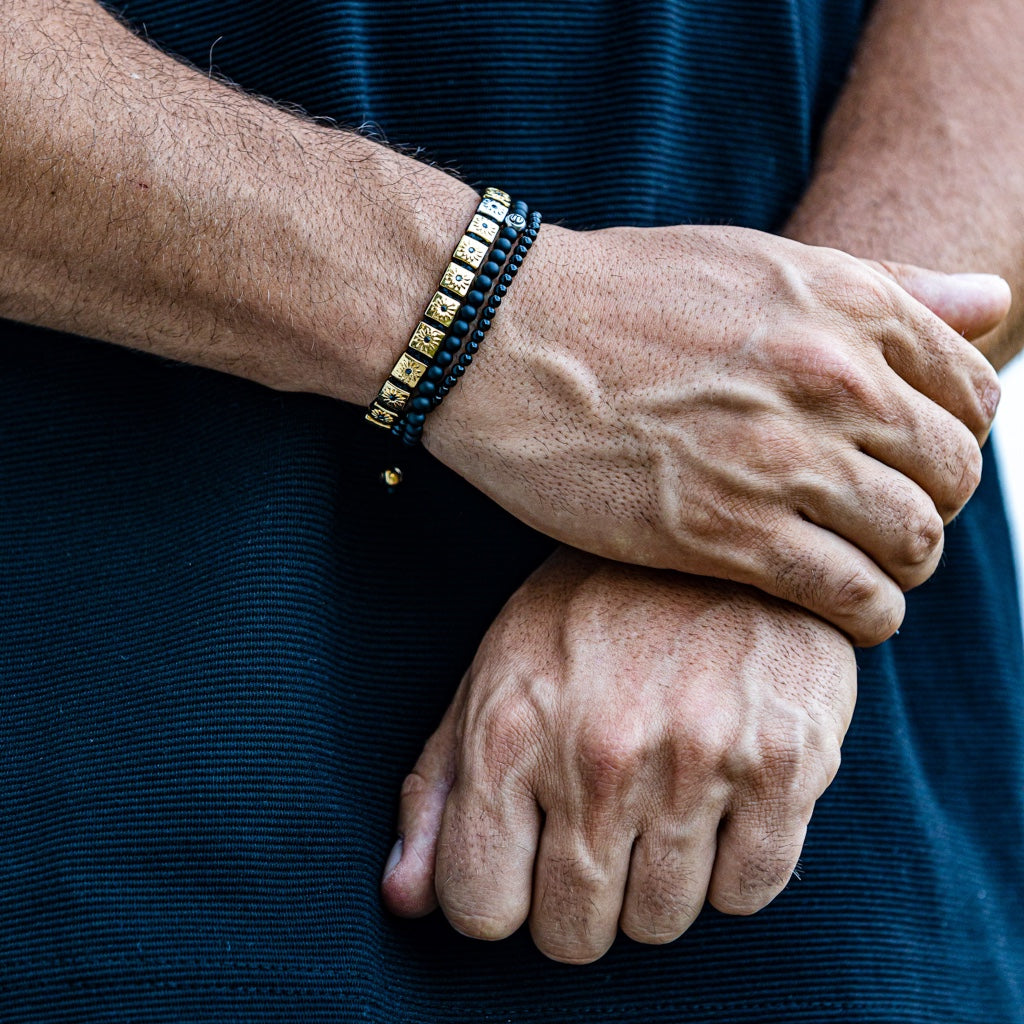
(626, 744)
(728, 403)
(712, 400)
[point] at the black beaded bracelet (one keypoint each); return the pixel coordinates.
(517, 231)
(448, 317)
(490, 310)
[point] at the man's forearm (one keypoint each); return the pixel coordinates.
(143, 203)
(923, 159)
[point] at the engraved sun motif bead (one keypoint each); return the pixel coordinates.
(443, 309)
(470, 251)
(493, 209)
(426, 339)
(457, 279)
(380, 416)
(483, 227)
(409, 370)
(497, 193)
(393, 397)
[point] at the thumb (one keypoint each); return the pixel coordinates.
(972, 304)
(408, 882)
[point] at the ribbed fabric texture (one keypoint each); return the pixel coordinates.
(210, 689)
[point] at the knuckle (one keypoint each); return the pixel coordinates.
(469, 918)
(968, 477)
(609, 761)
(923, 536)
(988, 391)
(760, 884)
(662, 907)
(503, 735)
(764, 871)
(779, 767)
(414, 785)
(831, 762)
(873, 611)
(824, 371)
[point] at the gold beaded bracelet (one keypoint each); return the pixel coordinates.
(435, 326)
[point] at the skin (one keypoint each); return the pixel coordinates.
(922, 158)
(128, 186)
(130, 183)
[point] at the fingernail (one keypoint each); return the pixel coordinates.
(393, 858)
(982, 282)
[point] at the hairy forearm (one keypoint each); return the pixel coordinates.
(146, 204)
(923, 159)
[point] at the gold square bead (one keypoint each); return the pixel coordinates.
(457, 279)
(483, 227)
(496, 193)
(470, 251)
(443, 308)
(409, 370)
(380, 416)
(393, 397)
(493, 209)
(427, 339)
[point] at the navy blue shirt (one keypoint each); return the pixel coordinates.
(207, 703)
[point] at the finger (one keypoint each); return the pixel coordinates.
(758, 850)
(578, 890)
(932, 448)
(972, 304)
(408, 883)
(820, 571)
(668, 881)
(485, 856)
(883, 513)
(940, 364)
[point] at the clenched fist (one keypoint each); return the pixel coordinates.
(626, 744)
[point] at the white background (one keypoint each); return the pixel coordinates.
(1009, 439)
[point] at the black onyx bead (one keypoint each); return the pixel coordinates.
(520, 207)
(499, 257)
(496, 299)
(466, 359)
(512, 270)
(510, 233)
(503, 245)
(421, 403)
(441, 359)
(443, 390)
(396, 429)
(459, 371)
(459, 329)
(435, 373)
(475, 297)
(410, 442)
(485, 324)
(414, 419)
(468, 313)
(518, 258)
(484, 281)
(478, 336)
(452, 344)
(427, 387)
(500, 291)
(472, 347)
(452, 377)
(490, 268)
